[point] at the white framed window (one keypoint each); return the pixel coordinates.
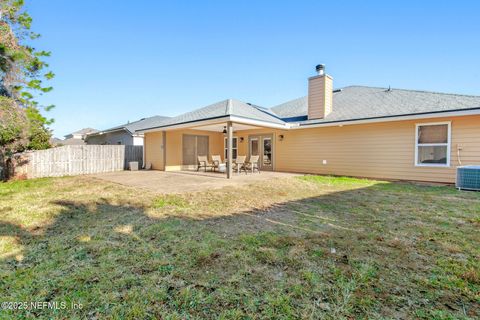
(234, 148)
(432, 144)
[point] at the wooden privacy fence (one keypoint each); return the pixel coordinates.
(75, 160)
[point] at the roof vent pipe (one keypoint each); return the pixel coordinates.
(320, 69)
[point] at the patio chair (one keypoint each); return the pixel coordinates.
(217, 161)
(203, 163)
(252, 164)
(240, 164)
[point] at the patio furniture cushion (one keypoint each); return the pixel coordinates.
(203, 163)
(217, 161)
(222, 167)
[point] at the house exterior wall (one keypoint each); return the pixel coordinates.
(175, 156)
(174, 148)
(381, 150)
(153, 150)
(377, 150)
(138, 141)
(123, 137)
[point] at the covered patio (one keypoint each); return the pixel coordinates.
(229, 130)
(233, 141)
(184, 181)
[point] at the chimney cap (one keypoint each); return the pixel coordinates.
(320, 68)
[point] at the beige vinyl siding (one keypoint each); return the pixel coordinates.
(328, 95)
(320, 96)
(382, 150)
(153, 150)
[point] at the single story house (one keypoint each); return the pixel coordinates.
(354, 131)
(74, 138)
(124, 134)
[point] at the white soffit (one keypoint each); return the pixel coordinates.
(218, 127)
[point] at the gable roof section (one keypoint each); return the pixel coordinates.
(82, 132)
(230, 107)
(131, 127)
(144, 123)
(358, 102)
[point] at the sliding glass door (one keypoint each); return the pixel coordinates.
(194, 146)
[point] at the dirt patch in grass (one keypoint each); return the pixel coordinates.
(311, 247)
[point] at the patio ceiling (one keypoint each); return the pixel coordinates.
(219, 127)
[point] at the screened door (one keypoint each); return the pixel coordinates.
(194, 146)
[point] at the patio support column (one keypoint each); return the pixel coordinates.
(229, 150)
(164, 147)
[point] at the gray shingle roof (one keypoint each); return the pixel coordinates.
(82, 132)
(230, 107)
(139, 124)
(358, 102)
(85, 131)
(349, 103)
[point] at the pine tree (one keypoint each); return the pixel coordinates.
(22, 75)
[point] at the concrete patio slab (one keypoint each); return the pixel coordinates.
(185, 181)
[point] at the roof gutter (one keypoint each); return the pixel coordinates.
(215, 120)
(260, 123)
(413, 116)
(294, 126)
(186, 124)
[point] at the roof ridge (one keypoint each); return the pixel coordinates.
(413, 90)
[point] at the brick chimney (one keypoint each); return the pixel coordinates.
(320, 94)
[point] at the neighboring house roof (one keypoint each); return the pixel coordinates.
(82, 132)
(230, 107)
(358, 102)
(131, 127)
(350, 103)
(71, 142)
(54, 141)
(85, 131)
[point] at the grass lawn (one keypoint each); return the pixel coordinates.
(308, 247)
